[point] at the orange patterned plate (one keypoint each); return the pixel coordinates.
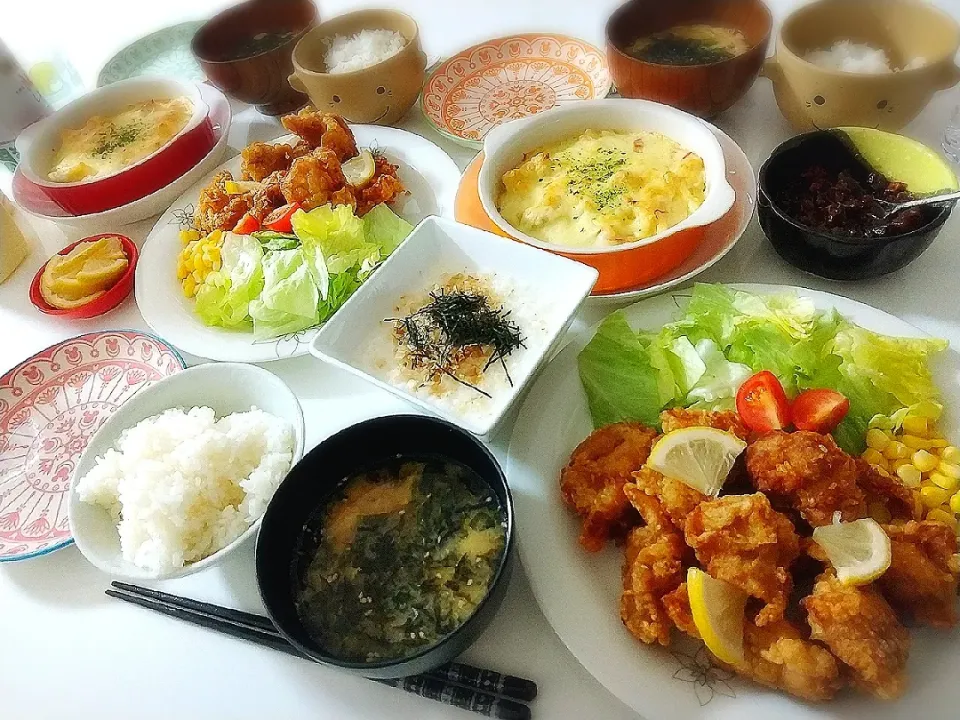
(509, 78)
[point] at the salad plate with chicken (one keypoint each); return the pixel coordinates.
(743, 502)
(249, 263)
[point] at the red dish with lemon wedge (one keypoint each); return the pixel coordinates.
(110, 299)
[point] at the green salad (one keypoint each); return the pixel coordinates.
(725, 335)
(281, 283)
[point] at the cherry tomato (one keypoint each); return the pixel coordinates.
(762, 403)
(819, 410)
(246, 225)
(279, 219)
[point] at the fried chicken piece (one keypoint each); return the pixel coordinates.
(727, 420)
(592, 482)
(741, 539)
(321, 129)
(384, 187)
(313, 179)
(921, 581)
(259, 159)
(887, 491)
(676, 497)
(652, 567)
(677, 606)
(269, 196)
(778, 656)
(217, 209)
(810, 472)
(862, 631)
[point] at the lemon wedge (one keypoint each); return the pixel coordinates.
(701, 457)
(717, 609)
(859, 550)
(358, 171)
(240, 187)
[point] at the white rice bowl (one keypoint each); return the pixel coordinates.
(182, 485)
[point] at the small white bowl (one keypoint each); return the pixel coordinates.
(224, 387)
(555, 287)
(504, 148)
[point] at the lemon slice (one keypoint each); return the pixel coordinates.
(859, 550)
(701, 457)
(717, 609)
(239, 187)
(358, 171)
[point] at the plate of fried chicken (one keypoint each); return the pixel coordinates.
(307, 169)
(607, 542)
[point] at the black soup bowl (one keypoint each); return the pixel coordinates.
(281, 556)
(838, 256)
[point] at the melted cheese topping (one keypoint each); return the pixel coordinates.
(603, 188)
(105, 145)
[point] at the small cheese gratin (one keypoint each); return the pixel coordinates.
(105, 145)
(603, 188)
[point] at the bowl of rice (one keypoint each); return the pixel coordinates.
(367, 66)
(870, 64)
(181, 474)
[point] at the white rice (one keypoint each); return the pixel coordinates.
(851, 57)
(346, 53)
(183, 485)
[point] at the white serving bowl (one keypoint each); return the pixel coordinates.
(630, 264)
(224, 387)
(556, 286)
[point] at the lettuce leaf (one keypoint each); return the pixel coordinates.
(337, 233)
(224, 298)
(385, 228)
(289, 300)
(617, 376)
(726, 335)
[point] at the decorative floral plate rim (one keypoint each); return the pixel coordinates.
(25, 390)
(129, 60)
(598, 77)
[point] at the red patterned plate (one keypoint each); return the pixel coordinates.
(509, 78)
(50, 406)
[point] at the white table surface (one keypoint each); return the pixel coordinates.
(66, 650)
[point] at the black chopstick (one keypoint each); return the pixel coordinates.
(468, 676)
(482, 691)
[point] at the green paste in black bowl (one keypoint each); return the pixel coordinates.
(818, 201)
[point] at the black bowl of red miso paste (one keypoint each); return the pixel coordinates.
(820, 206)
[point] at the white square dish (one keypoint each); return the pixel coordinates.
(551, 288)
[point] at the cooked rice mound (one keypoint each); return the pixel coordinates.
(183, 484)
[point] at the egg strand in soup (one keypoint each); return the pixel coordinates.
(603, 188)
(404, 555)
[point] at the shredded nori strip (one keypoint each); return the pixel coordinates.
(438, 334)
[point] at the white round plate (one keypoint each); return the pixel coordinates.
(579, 592)
(426, 170)
(719, 237)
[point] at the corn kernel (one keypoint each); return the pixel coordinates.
(924, 461)
(937, 443)
(909, 475)
(873, 456)
(188, 263)
(916, 425)
(946, 482)
(181, 271)
(897, 464)
(942, 516)
(915, 443)
(951, 454)
(877, 439)
(949, 469)
(896, 450)
(955, 503)
(933, 497)
(189, 287)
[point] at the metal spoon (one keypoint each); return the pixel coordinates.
(890, 208)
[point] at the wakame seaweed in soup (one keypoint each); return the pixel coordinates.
(406, 551)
